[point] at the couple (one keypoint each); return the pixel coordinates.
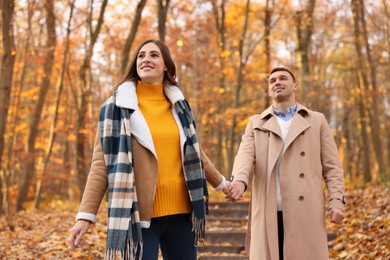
(147, 155)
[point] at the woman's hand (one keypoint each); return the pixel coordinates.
(77, 232)
(235, 191)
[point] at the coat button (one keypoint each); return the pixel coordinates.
(302, 153)
(302, 175)
(301, 197)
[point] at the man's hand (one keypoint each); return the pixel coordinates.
(77, 232)
(235, 191)
(336, 215)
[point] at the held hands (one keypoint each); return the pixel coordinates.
(77, 232)
(336, 215)
(235, 191)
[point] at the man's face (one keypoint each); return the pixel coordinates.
(281, 86)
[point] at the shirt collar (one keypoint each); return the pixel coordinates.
(286, 115)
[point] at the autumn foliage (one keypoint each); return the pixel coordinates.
(364, 233)
(60, 59)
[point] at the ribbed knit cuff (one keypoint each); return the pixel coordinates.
(222, 185)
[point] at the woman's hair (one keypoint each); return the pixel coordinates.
(169, 75)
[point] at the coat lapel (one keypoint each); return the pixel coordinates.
(298, 125)
(269, 123)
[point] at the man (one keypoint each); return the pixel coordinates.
(293, 151)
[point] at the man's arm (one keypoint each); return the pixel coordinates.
(332, 172)
(243, 164)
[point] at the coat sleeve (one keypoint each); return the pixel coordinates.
(332, 170)
(213, 176)
(246, 155)
(96, 185)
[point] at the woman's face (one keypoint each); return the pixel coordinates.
(150, 64)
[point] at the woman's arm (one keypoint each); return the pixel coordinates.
(96, 185)
(213, 176)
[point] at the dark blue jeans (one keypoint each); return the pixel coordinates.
(173, 234)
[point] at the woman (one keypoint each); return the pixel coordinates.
(147, 154)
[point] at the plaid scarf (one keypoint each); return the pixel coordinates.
(124, 234)
(193, 170)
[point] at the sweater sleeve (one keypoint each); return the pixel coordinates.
(96, 185)
(213, 176)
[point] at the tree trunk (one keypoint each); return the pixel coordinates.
(6, 73)
(82, 140)
(219, 16)
(375, 98)
(232, 137)
(15, 103)
(52, 134)
(267, 49)
(388, 141)
(387, 33)
(364, 143)
(162, 11)
(130, 38)
(304, 26)
(35, 120)
(363, 100)
(348, 150)
(387, 28)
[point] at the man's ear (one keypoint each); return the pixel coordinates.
(295, 87)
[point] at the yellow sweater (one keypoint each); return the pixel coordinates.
(171, 194)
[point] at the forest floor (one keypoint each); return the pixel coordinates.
(364, 233)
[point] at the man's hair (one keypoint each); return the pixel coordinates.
(283, 69)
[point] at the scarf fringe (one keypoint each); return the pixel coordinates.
(199, 228)
(134, 251)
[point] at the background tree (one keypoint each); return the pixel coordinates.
(267, 43)
(304, 27)
(132, 33)
(52, 134)
(6, 76)
(367, 73)
(36, 116)
(242, 61)
(162, 11)
(84, 98)
(219, 17)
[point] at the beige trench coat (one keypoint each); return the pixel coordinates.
(309, 157)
